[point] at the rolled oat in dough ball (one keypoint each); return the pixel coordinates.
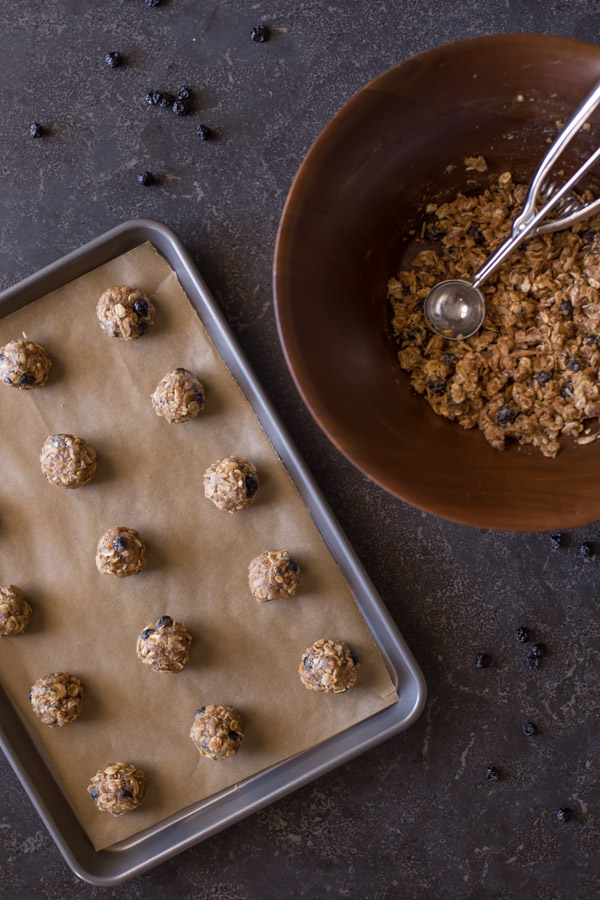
(179, 397)
(120, 552)
(125, 312)
(274, 574)
(67, 460)
(217, 731)
(329, 666)
(24, 365)
(165, 645)
(231, 483)
(118, 788)
(57, 699)
(15, 611)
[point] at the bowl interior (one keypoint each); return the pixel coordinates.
(345, 230)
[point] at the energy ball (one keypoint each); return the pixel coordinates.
(179, 397)
(125, 312)
(120, 552)
(328, 666)
(57, 699)
(15, 611)
(118, 788)
(217, 731)
(67, 460)
(274, 574)
(24, 365)
(231, 483)
(165, 645)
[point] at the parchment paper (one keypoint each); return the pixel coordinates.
(149, 478)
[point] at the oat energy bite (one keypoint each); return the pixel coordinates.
(57, 699)
(274, 574)
(178, 397)
(217, 731)
(231, 483)
(165, 645)
(120, 552)
(329, 666)
(24, 365)
(67, 460)
(15, 611)
(531, 373)
(118, 788)
(125, 312)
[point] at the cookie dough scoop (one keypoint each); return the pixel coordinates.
(329, 666)
(178, 397)
(165, 645)
(118, 788)
(67, 460)
(125, 312)
(57, 699)
(231, 483)
(120, 552)
(274, 574)
(217, 731)
(15, 611)
(24, 364)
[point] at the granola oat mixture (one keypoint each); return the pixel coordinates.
(57, 699)
(118, 788)
(120, 552)
(231, 483)
(125, 312)
(15, 611)
(165, 645)
(531, 373)
(274, 574)
(329, 666)
(67, 460)
(217, 731)
(179, 397)
(24, 365)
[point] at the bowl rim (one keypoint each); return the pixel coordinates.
(317, 410)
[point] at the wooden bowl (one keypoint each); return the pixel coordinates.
(344, 229)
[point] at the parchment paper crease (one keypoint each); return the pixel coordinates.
(149, 478)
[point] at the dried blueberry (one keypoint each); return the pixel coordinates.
(146, 178)
(538, 650)
(529, 729)
(142, 326)
(166, 100)
(592, 340)
(200, 711)
(167, 621)
(260, 34)
(432, 233)
(141, 307)
(203, 132)
(94, 793)
(563, 814)
(233, 736)
(26, 380)
(35, 130)
(436, 385)
(251, 485)
(146, 633)
(534, 662)
(573, 364)
(354, 657)
(566, 308)
(204, 746)
(483, 660)
(543, 378)
(476, 234)
(492, 773)
(181, 108)
(292, 565)
(522, 634)
(184, 93)
(180, 369)
(505, 415)
(153, 98)
(449, 359)
(566, 390)
(30, 693)
(120, 543)
(199, 397)
(586, 549)
(306, 662)
(124, 793)
(152, 3)
(557, 539)
(587, 236)
(113, 59)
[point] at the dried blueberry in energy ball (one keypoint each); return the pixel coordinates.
(543, 378)
(506, 415)
(146, 633)
(251, 485)
(164, 620)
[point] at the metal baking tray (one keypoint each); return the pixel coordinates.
(136, 854)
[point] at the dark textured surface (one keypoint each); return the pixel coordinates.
(415, 817)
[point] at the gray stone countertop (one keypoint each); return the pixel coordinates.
(414, 817)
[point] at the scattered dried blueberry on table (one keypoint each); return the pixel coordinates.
(534, 662)
(166, 100)
(35, 130)
(522, 634)
(184, 93)
(203, 132)
(181, 108)
(492, 773)
(146, 178)
(483, 660)
(557, 539)
(538, 649)
(153, 3)
(260, 34)
(563, 814)
(113, 59)
(586, 550)
(529, 729)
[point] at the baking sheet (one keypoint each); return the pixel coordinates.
(150, 478)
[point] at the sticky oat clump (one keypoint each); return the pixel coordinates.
(24, 364)
(530, 374)
(118, 788)
(120, 552)
(57, 699)
(329, 666)
(165, 645)
(274, 574)
(67, 460)
(125, 312)
(231, 483)
(178, 397)
(15, 611)
(217, 731)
